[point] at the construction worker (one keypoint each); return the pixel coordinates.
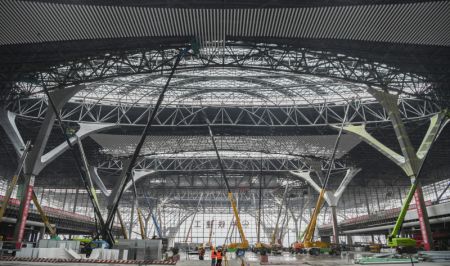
(213, 256)
(201, 253)
(219, 257)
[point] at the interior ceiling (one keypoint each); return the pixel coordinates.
(424, 23)
(411, 36)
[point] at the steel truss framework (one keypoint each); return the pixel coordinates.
(116, 69)
(319, 115)
(198, 164)
(257, 57)
(250, 56)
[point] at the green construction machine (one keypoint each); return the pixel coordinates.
(403, 244)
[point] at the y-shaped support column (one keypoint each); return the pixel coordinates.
(332, 198)
(33, 161)
(37, 160)
(410, 161)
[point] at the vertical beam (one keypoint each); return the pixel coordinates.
(400, 195)
(130, 231)
(378, 200)
(64, 201)
(258, 228)
(75, 201)
(367, 202)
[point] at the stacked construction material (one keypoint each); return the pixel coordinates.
(68, 244)
(47, 253)
(104, 254)
(139, 249)
(435, 256)
(386, 259)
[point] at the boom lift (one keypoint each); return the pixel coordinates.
(275, 248)
(259, 246)
(403, 244)
(243, 245)
(44, 217)
(308, 245)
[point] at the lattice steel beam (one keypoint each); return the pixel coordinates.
(183, 116)
(197, 164)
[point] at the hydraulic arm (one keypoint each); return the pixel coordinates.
(309, 232)
(244, 241)
(393, 239)
(44, 217)
(14, 181)
(141, 223)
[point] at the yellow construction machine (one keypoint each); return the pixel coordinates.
(243, 245)
(308, 245)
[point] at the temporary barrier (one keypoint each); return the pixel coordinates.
(139, 262)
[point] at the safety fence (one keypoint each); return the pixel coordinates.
(138, 262)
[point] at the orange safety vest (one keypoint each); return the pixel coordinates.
(219, 255)
(213, 254)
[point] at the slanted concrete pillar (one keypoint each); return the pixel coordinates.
(36, 159)
(75, 201)
(335, 225)
(7, 122)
